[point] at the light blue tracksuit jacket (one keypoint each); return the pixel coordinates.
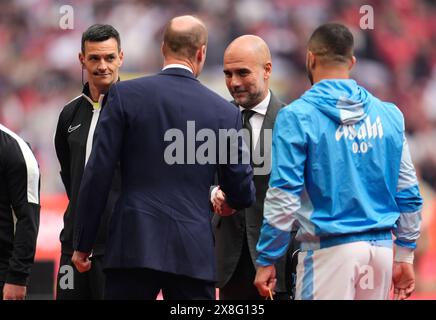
(341, 172)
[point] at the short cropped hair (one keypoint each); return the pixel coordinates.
(332, 42)
(100, 32)
(185, 43)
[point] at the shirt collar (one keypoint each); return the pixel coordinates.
(177, 65)
(262, 107)
(86, 93)
(95, 105)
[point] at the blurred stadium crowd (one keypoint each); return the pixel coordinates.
(40, 71)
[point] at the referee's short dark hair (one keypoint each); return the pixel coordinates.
(332, 43)
(100, 32)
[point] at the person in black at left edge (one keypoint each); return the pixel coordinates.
(101, 57)
(19, 214)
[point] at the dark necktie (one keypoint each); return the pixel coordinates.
(246, 115)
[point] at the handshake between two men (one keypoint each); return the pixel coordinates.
(219, 203)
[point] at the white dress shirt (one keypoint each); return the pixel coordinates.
(177, 65)
(256, 122)
(256, 119)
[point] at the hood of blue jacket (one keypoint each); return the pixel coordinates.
(340, 99)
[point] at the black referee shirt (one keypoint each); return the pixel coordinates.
(19, 207)
(73, 144)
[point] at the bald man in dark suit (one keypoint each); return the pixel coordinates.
(247, 70)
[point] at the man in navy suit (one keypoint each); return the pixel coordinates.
(160, 235)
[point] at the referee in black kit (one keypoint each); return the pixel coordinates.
(100, 57)
(19, 214)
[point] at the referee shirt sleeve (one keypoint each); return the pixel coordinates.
(22, 177)
(63, 151)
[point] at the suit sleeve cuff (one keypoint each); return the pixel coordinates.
(213, 193)
(17, 278)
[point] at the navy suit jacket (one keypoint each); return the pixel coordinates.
(162, 219)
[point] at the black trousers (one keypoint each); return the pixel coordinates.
(80, 286)
(240, 286)
(145, 284)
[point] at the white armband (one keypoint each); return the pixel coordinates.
(403, 254)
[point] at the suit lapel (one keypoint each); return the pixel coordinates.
(268, 123)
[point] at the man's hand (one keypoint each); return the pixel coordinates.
(14, 292)
(265, 280)
(81, 261)
(403, 279)
(220, 205)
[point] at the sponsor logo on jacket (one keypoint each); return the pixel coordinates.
(365, 131)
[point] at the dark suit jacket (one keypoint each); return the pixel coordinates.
(162, 219)
(230, 231)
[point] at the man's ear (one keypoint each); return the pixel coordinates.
(352, 63)
(268, 70)
(311, 59)
(121, 54)
(82, 60)
(201, 53)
